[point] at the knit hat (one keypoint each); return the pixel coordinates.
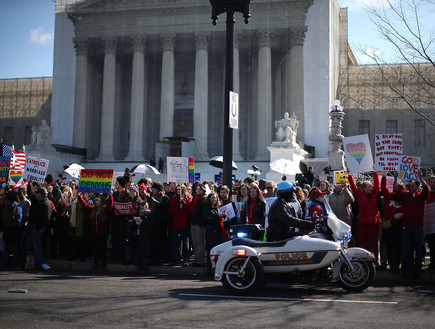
(121, 181)
(49, 179)
(157, 185)
(134, 188)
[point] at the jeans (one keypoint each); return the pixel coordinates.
(179, 244)
(17, 254)
(412, 241)
(34, 242)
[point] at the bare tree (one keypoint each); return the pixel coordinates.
(411, 79)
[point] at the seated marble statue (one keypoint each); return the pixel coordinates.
(43, 134)
(287, 129)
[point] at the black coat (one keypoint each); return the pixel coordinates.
(211, 221)
(258, 212)
(39, 211)
(145, 230)
(281, 219)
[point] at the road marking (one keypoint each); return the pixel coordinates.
(294, 299)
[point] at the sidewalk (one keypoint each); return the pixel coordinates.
(199, 272)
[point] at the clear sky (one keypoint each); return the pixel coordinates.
(27, 36)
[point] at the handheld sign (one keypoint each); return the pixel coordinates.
(35, 169)
(95, 180)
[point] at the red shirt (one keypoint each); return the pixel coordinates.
(368, 207)
(413, 206)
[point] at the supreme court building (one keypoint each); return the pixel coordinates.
(140, 78)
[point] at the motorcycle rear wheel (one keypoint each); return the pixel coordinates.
(360, 279)
(243, 282)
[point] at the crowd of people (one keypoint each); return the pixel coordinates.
(178, 224)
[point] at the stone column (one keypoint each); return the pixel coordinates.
(264, 109)
(168, 88)
(295, 77)
(138, 91)
(236, 84)
(108, 106)
(200, 106)
(335, 153)
(80, 94)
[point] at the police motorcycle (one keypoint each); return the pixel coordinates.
(242, 264)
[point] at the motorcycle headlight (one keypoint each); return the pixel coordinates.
(242, 235)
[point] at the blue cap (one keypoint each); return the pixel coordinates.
(284, 187)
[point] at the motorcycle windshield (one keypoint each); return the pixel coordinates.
(337, 226)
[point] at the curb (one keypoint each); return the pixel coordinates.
(86, 267)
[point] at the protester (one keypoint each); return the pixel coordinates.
(412, 231)
(198, 229)
(145, 220)
(391, 229)
(159, 205)
(100, 214)
(368, 216)
(39, 216)
(179, 242)
(340, 201)
(254, 210)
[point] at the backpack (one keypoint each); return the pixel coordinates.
(9, 215)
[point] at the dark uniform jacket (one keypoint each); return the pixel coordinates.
(281, 219)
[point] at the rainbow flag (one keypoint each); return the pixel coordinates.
(95, 180)
(191, 171)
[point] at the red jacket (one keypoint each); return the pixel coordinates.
(180, 216)
(392, 208)
(99, 223)
(368, 208)
(413, 206)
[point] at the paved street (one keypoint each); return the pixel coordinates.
(60, 300)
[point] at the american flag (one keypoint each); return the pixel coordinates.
(6, 150)
(18, 161)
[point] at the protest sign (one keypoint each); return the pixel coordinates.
(390, 183)
(408, 167)
(181, 169)
(124, 208)
(269, 202)
(429, 218)
(15, 177)
(229, 208)
(387, 149)
(5, 163)
(341, 177)
(35, 169)
(95, 180)
(358, 154)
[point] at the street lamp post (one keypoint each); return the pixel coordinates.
(230, 7)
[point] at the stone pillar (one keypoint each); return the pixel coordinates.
(81, 93)
(108, 104)
(236, 85)
(168, 88)
(264, 109)
(335, 153)
(200, 106)
(138, 92)
(295, 77)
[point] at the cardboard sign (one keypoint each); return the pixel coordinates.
(408, 167)
(95, 180)
(35, 169)
(341, 177)
(181, 169)
(124, 208)
(359, 157)
(388, 147)
(15, 177)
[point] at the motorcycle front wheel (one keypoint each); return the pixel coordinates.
(359, 279)
(243, 281)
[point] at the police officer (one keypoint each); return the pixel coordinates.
(282, 216)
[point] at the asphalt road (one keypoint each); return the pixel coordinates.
(60, 300)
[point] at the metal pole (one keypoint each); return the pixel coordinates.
(229, 86)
